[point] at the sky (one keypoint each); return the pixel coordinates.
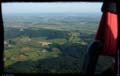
(53, 7)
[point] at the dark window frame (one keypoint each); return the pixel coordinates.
(2, 27)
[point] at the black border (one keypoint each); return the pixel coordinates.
(2, 34)
(58, 0)
(118, 40)
(1, 40)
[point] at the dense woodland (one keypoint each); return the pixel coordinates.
(49, 43)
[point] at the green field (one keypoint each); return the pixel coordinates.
(56, 43)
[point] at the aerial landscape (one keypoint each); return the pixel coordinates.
(49, 42)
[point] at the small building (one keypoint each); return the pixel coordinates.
(45, 43)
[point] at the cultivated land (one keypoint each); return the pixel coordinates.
(49, 43)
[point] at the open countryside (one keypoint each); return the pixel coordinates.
(50, 42)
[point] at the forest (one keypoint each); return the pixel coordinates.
(49, 43)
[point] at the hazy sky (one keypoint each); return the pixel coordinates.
(60, 7)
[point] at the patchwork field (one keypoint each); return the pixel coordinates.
(42, 43)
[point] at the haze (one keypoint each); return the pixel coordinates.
(53, 7)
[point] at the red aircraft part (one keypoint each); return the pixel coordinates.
(107, 33)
